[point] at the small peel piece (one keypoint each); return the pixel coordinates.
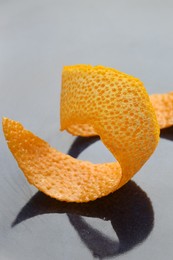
(94, 100)
(163, 105)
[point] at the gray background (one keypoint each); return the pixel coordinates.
(38, 37)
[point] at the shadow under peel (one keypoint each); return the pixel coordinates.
(167, 133)
(99, 244)
(128, 209)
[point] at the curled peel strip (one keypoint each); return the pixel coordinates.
(94, 100)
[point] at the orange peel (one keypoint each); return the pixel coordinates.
(94, 100)
(163, 106)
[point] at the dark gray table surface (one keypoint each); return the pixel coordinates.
(36, 39)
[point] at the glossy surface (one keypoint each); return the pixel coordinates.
(37, 39)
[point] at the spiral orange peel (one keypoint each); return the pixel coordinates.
(94, 101)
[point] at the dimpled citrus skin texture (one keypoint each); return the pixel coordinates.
(56, 174)
(94, 100)
(163, 105)
(117, 106)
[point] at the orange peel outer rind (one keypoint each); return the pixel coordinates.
(117, 107)
(56, 174)
(94, 100)
(163, 106)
